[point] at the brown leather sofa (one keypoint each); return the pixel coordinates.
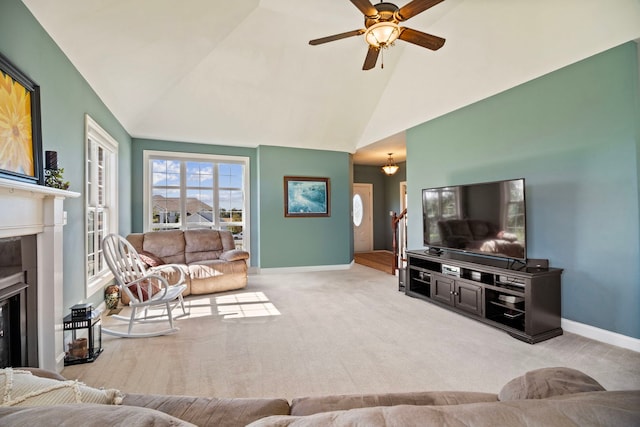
(547, 396)
(209, 258)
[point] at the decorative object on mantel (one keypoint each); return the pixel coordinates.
(52, 173)
(20, 136)
(390, 168)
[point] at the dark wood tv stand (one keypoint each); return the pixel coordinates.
(525, 302)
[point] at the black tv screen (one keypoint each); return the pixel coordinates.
(484, 218)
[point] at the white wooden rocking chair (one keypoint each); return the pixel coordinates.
(145, 289)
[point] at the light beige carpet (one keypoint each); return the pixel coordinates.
(349, 331)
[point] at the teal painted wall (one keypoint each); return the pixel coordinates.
(573, 135)
(65, 97)
(301, 242)
(386, 197)
(137, 151)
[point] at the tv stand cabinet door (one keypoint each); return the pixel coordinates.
(442, 289)
(468, 297)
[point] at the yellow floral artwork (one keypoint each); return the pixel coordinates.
(16, 144)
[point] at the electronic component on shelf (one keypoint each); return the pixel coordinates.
(511, 299)
(476, 275)
(451, 270)
(512, 314)
(510, 280)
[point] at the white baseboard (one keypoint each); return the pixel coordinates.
(303, 269)
(602, 335)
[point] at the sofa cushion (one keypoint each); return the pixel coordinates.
(168, 245)
(547, 382)
(202, 245)
(205, 411)
(21, 388)
(87, 415)
(215, 268)
(313, 405)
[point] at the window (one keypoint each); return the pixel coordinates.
(442, 204)
(101, 200)
(358, 210)
(185, 191)
(514, 223)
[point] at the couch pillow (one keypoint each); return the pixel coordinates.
(20, 388)
(547, 382)
(150, 259)
(145, 290)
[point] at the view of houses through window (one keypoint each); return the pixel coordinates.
(203, 192)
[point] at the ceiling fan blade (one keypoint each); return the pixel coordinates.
(365, 7)
(421, 39)
(415, 7)
(371, 58)
(336, 37)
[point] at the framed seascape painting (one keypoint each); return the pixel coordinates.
(20, 137)
(306, 196)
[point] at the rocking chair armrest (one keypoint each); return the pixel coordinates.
(176, 267)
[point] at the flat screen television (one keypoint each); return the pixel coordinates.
(486, 218)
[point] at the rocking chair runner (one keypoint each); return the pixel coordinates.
(145, 289)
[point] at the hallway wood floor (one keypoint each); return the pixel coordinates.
(380, 260)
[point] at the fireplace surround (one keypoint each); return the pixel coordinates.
(35, 213)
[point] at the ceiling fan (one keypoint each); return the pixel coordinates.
(382, 29)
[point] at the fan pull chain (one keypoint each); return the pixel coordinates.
(382, 59)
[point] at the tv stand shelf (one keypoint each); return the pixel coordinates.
(524, 302)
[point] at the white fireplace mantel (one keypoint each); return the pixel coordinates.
(27, 209)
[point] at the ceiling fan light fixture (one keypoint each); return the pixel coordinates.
(390, 168)
(382, 34)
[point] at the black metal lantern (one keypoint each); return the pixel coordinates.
(82, 335)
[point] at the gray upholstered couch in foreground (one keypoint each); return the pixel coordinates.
(545, 397)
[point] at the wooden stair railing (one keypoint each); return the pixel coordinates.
(395, 219)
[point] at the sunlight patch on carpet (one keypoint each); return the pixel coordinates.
(245, 305)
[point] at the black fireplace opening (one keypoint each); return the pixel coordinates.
(13, 338)
(18, 302)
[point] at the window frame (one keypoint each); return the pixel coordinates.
(95, 134)
(149, 155)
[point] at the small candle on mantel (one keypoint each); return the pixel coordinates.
(51, 160)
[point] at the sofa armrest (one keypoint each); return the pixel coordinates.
(43, 373)
(234, 255)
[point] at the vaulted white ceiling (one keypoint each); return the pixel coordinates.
(242, 73)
